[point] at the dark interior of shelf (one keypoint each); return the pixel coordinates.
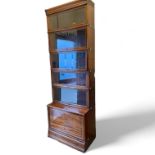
(70, 96)
(70, 79)
(67, 39)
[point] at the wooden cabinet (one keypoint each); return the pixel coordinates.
(71, 115)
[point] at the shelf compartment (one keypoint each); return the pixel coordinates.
(73, 80)
(67, 39)
(70, 96)
(69, 60)
(67, 18)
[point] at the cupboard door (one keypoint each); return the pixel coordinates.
(69, 60)
(70, 96)
(67, 39)
(68, 123)
(70, 79)
(52, 21)
(67, 18)
(72, 17)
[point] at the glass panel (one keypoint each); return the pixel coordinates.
(70, 96)
(69, 60)
(70, 39)
(71, 79)
(52, 22)
(67, 18)
(72, 17)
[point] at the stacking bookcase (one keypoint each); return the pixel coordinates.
(71, 115)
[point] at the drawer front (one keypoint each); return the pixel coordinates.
(68, 123)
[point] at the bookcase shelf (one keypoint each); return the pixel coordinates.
(68, 70)
(79, 49)
(70, 86)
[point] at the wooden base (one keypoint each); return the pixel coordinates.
(72, 142)
(72, 126)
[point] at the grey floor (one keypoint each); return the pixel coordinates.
(112, 129)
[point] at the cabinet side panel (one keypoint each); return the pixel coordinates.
(90, 14)
(90, 117)
(91, 66)
(90, 126)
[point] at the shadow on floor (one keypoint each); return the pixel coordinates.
(112, 129)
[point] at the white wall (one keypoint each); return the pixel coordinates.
(125, 78)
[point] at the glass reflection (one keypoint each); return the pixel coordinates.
(72, 17)
(71, 79)
(70, 39)
(67, 18)
(71, 96)
(69, 60)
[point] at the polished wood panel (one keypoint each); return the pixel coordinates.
(77, 144)
(66, 6)
(68, 108)
(70, 86)
(67, 123)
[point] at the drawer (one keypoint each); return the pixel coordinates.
(68, 123)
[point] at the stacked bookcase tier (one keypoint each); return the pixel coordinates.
(67, 19)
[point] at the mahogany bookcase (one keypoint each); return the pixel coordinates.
(71, 115)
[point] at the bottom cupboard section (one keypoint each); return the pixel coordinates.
(70, 96)
(67, 123)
